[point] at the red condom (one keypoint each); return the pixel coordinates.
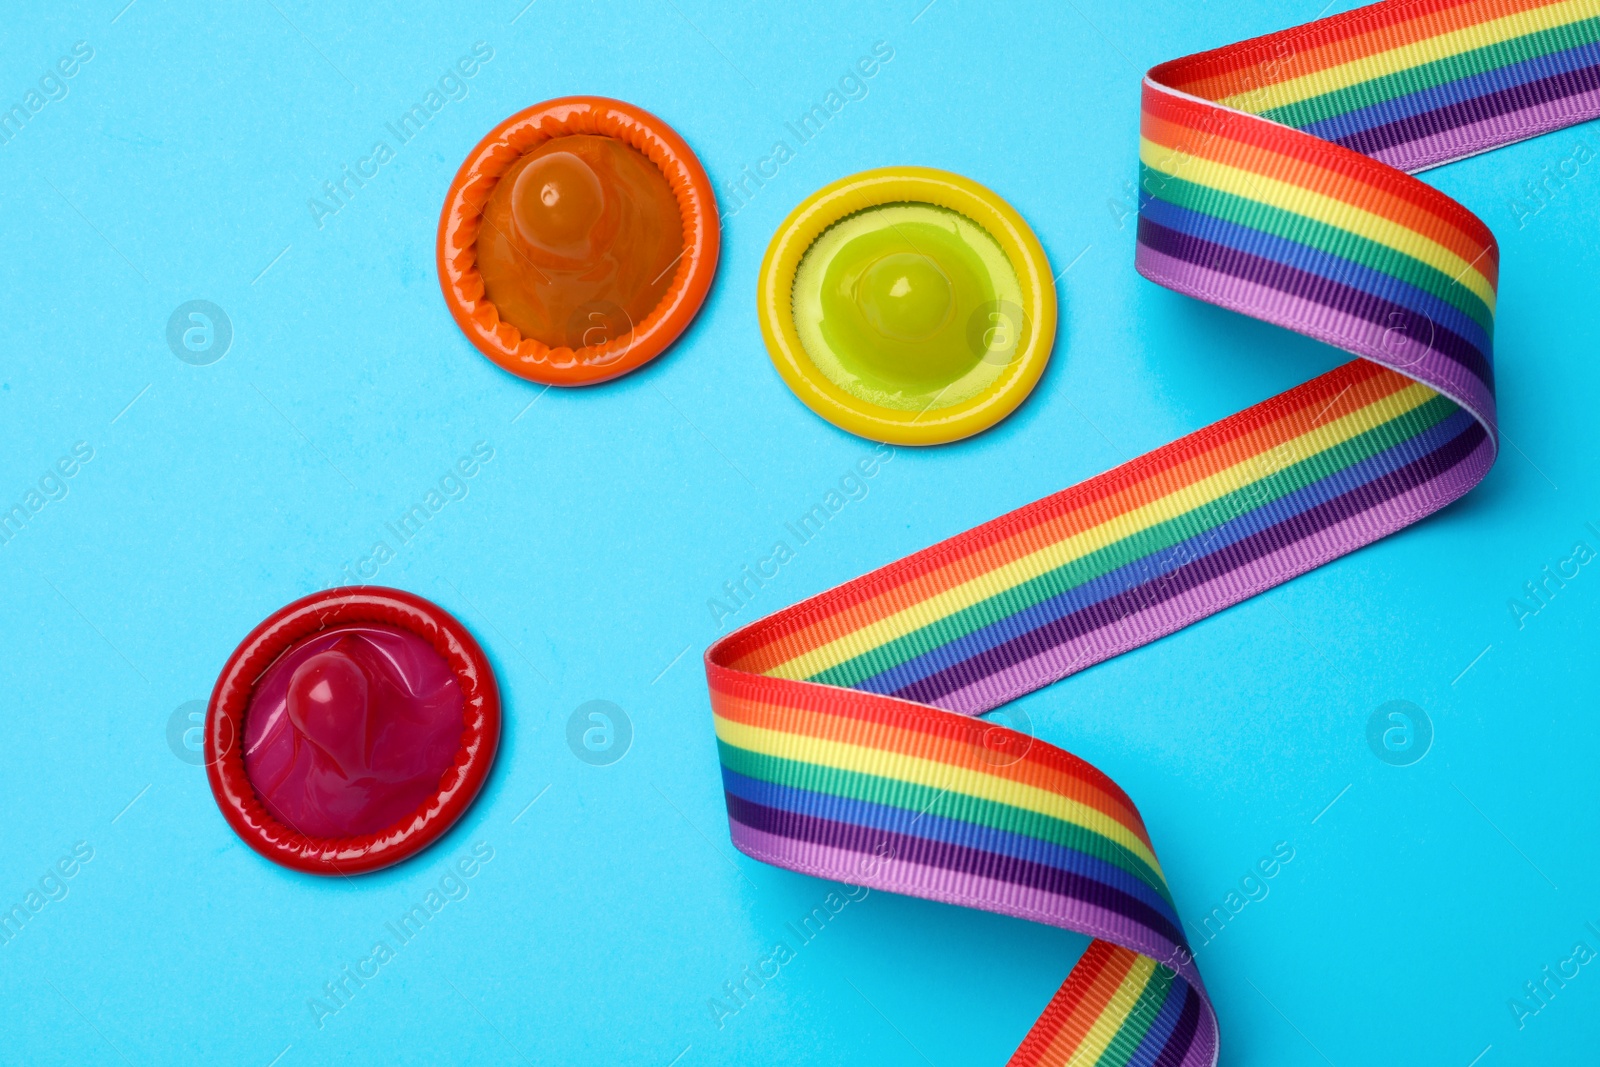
(369, 718)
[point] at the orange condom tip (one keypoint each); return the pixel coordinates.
(907, 305)
(577, 241)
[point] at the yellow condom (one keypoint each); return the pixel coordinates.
(907, 305)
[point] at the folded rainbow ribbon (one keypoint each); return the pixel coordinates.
(1273, 181)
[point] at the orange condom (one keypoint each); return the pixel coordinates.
(577, 241)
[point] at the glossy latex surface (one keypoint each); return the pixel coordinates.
(908, 306)
(578, 241)
(350, 730)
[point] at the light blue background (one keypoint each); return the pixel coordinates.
(179, 167)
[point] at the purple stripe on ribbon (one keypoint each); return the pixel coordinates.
(1190, 1045)
(958, 860)
(1439, 148)
(894, 873)
(1193, 1038)
(1125, 587)
(1506, 103)
(1412, 359)
(1205, 600)
(1401, 327)
(933, 827)
(1222, 563)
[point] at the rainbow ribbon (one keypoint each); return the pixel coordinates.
(1272, 182)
